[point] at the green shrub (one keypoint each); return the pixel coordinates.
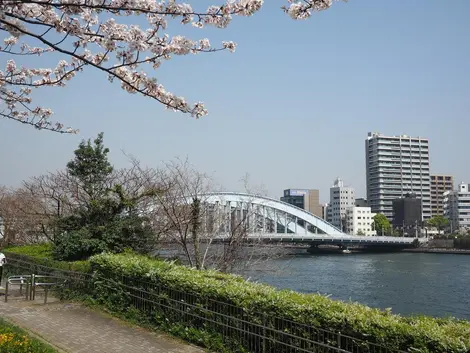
(42, 255)
(15, 340)
(38, 251)
(261, 303)
(127, 283)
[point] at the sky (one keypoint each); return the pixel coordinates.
(291, 107)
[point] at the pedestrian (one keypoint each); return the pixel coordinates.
(3, 261)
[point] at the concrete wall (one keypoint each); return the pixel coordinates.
(441, 243)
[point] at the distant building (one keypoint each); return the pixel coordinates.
(307, 199)
(324, 211)
(395, 166)
(341, 197)
(359, 221)
(361, 202)
(439, 185)
(457, 208)
(408, 213)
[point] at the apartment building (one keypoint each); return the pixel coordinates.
(396, 166)
(439, 185)
(457, 208)
(341, 198)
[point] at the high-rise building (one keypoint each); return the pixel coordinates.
(307, 199)
(439, 185)
(341, 198)
(457, 208)
(396, 166)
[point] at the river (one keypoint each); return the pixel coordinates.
(409, 283)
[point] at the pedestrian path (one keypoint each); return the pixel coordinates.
(75, 328)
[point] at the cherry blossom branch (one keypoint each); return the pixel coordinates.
(89, 37)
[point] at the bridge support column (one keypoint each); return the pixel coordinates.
(275, 221)
(286, 220)
(229, 214)
(263, 214)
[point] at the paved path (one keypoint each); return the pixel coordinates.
(76, 329)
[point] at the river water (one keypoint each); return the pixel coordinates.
(409, 283)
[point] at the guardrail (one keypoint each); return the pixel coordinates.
(19, 280)
(32, 282)
(255, 332)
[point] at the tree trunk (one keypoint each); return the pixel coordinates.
(195, 223)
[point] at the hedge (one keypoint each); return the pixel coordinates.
(123, 282)
(15, 340)
(42, 255)
(262, 303)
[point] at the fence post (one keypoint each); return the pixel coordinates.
(45, 294)
(6, 290)
(263, 340)
(32, 294)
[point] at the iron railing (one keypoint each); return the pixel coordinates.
(238, 327)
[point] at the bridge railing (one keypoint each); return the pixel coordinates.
(251, 331)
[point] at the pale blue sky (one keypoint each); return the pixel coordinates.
(291, 107)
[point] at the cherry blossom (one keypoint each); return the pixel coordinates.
(88, 34)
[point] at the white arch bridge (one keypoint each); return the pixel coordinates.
(272, 220)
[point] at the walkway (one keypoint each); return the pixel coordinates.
(74, 328)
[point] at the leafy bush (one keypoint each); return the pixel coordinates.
(261, 303)
(112, 233)
(15, 340)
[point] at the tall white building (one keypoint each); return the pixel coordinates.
(359, 221)
(395, 166)
(457, 208)
(341, 197)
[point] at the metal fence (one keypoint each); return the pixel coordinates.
(238, 328)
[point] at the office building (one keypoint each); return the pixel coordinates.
(359, 221)
(307, 199)
(396, 166)
(457, 208)
(341, 198)
(439, 185)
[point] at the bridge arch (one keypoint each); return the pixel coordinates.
(297, 220)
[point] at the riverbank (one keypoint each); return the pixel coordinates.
(438, 251)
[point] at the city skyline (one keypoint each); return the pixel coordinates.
(375, 76)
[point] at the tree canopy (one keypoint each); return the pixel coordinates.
(439, 222)
(108, 220)
(381, 224)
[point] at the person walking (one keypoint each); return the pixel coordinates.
(3, 261)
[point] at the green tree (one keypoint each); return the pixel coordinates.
(91, 167)
(439, 222)
(360, 232)
(381, 224)
(108, 220)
